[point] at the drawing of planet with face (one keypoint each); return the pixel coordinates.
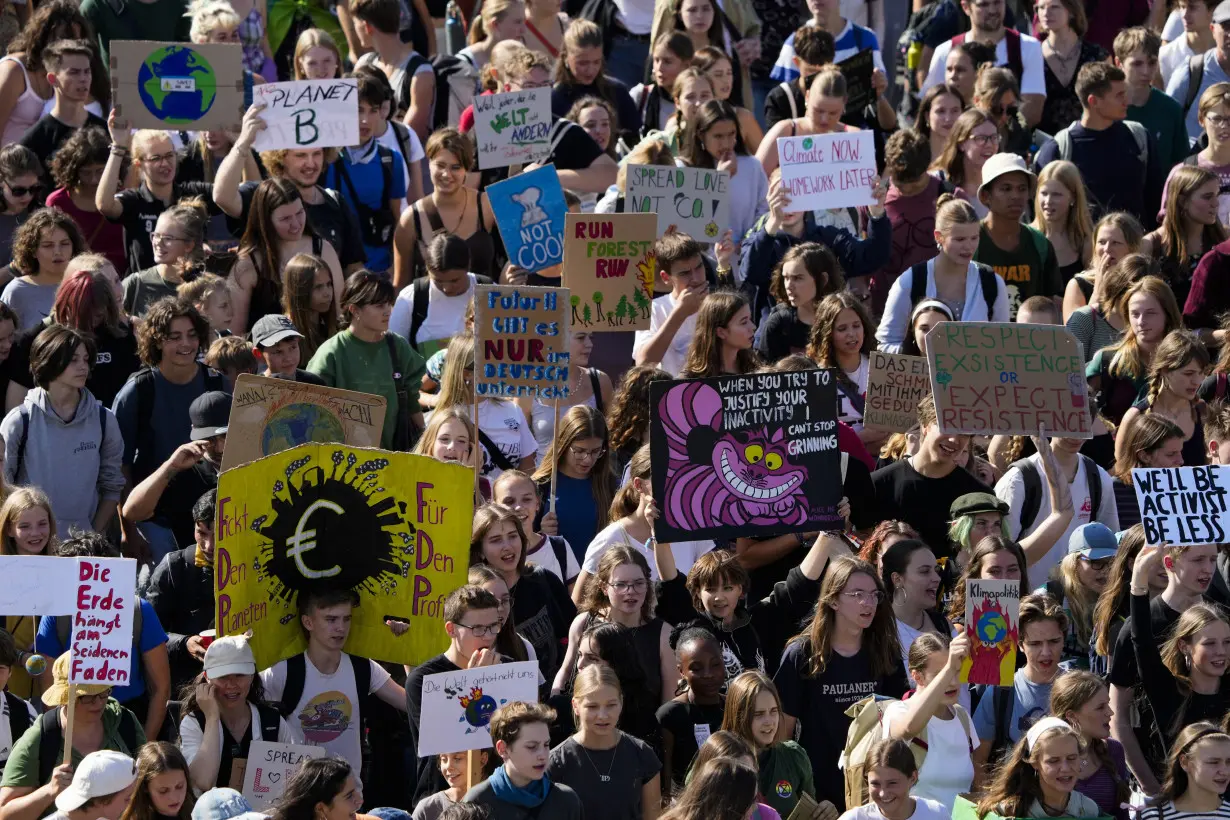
(478, 708)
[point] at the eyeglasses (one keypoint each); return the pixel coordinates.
(159, 238)
(1215, 120)
(101, 697)
(999, 110)
(579, 453)
(984, 139)
(24, 190)
(504, 601)
(1098, 565)
(629, 586)
(865, 597)
(480, 630)
(157, 159)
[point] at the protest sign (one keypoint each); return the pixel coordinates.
(272, 415)
(825, 171)
(308, 114)
(992, 613)
(457, 706)
(1181, 506)
(102, 626)
(751, 455)
(993, 378)
(608, 260)
(178, 86)
(268, 768)
(695, 200)
(38, 585)
(521, 342)
(513, 128)
(857, 69)
(895, 385)
(392, 527)
(530, 210)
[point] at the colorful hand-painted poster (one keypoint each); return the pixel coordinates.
(608, 260)
(272, 415)
(529, 209)
(521, 342)
(393, 527)
(173, 86)
(102, 626)
(896, 383)
(751, 455)
(992, 616)
(512, 128)
(1184, 506)
(997, 378)
(269, 766)
(457, 706)
(308, 114)
(696, 201)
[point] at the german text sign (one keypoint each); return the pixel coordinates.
(512, 128)
(270, 765)
(993, 378)
(824, 171)
(521, 342)
(695, 200)
(102, 625)
(457, 706)
(1183, 505)
(609, 270)
(529, 209)
(751, 455)
(308, 114)
(173, 86)
(895, 386)
(392, 527)
(992, 613)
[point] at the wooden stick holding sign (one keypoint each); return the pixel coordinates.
(68, 727)
(555, 450)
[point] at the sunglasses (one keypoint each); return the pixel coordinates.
(22, 190)
(999, 110)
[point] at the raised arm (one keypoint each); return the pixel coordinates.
(231, 169)
(121, 142)
(1039, 542)
(910, 721)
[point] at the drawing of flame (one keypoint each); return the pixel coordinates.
(476, 694)
(647, 268)
(986, 660)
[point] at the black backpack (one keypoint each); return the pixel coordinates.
(19, 716)
(456, 81)
(990, 285)
(144, 382)
(421, 289)
(1033, 489)
(52, 740)
(296, 678)
(1195, 76)
(270, 722)
(375, 224)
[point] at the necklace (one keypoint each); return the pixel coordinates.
(465, 204)
(604, 778)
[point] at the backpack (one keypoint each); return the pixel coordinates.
(651, 108)
(420, 288)
(456, 81)
(1195, 76)
(143, 381)
(296, 678)
(1063, 141)
(1033, 489)
(19, 716)
(270, 720)
(1012, 44)
(375, 224)
(986, 276)
(25, 437)
(866, 729)
(49, 745)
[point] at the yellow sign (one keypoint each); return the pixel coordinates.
(393, 527)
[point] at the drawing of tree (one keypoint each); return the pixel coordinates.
(623, 309)
(642, 301)
(575, 301)
(586, 316)
(616, 316)
(597, 299)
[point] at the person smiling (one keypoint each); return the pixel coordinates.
(1197, 775)
(1081, 699)
(912, 582)
(1178, 367)
(753, 712)
(521, 788)
(42, 248)
(1039, 779)
(891, 775)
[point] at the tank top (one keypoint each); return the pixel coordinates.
(26, 112)
(1194, 452)
(481, 243)
(267, 293)
(542, 416)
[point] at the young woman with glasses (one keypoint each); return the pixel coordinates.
(578, 458)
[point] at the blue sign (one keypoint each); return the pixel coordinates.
(530, 209)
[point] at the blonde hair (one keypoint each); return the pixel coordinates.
(310, 39)
(1126, 224)
(459, 357)
(439, 417)
(648, 152)
(590, 680)
(1078, 227)
(1016, 785)
(493, 13)
(1218, 94)
(1078, 599)
(1182, 185)
(208, 16)
(22, 500)
(1127, 359)
(951, 211)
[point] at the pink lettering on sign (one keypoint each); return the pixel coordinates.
(828, 171)
(102, 638)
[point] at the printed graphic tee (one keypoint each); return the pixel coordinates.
(327, 713)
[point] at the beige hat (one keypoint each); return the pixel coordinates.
(57, 693)
(1000, 164)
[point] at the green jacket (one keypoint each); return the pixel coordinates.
(160, 20)
(785, 772)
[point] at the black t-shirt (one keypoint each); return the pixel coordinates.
(777, 104)
(426, 780)
(46, 136)
(139, 212)
(115, 361)
(783, 334)
(689, 724)
(174, 508)
(542, 612)
(608, 781)
(563, 97)
(336, 225)
(923, 503)
(1124, 671)
(301, 375)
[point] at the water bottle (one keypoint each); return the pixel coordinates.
(454, 29)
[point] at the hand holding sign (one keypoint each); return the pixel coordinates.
(823, 171)
(309, 114)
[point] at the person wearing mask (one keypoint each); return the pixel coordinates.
(1193, 784)
(1189, 82)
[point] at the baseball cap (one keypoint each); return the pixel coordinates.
(221, 804)
(273, 328)
(210, 414)
(1093, 541)
(1001, 164)
(229, 656)
(98, 774)
(974, 503)
(1221, 14)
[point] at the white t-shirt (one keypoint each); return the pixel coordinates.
(446, 316)
(505, 425)
(948, 768)
(636, 16)
(543, 555)
(677, 351)
(614, 534)
(846, 411)
(1173, 56)
(1173, 29)
(389, 140)
(1011, 488)
(924, 809)
(665, 110)
(6, 735)
(1033, 81)
(327, 713)
(191, 733)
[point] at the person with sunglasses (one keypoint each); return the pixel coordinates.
(1080, 579)
(20, 193)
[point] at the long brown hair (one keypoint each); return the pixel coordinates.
(628, 498)
(1069, 693)
(740, 708)
(1112, 602)
(157, 758)
(1016, 785)
(594, 598)
(952, 160)
(19, 501)
(1128, 361)
(880, 639)
(299, 279)
(704, 357)
(983, 550)
(693, 152)
(819, 262)
(820, 340)
(1147, 435)
(1180, 188)
(721, 789)
(260, 243)
(487, 517)
(579, 423)
(1179, 349)
(628, 418)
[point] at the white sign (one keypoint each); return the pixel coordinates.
(38, 585)
(1183, 505)
(512, 128)
(826, 171)
(268, 768)
(696, 201)
(102, 623)
(308, 114)
(457, 706)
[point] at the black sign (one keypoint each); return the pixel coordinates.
(858, 70)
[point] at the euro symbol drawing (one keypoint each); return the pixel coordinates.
(304, 541)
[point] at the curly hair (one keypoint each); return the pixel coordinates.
(87, 146)
(590, 101)
(594, 598)
(820, 345)
(55, 21)
(628, 418)
(28, 236)
(874, 545)
(155, 328)
(275, 160)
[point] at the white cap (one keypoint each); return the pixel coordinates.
(229, 656)
(98, 775)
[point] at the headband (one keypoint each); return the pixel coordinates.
(1038, 729)
(1199, 737)
(930, 304)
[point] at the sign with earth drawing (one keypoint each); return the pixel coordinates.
(992, 616)
(272, 415)
(457, 706)
(392, 527)
(179, 86)
(609, 270)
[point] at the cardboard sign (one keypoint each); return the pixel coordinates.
(1183, 505)
(521, 342)
(895, 385)
(857, 69)
(992, 615)
(513, 128)
(270, 766)
(393, 527)
(308, 114)
(608, 260)
(695, 200)
(179, 86)
(751, 455)
(272, 415)
(828, 170)
(993, 378)
(530, 209)
(963, 809)
(38, 585)
(102, 626)
(457, 706)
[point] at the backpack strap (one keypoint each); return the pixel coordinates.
(497, 457)
(1032, 501)
(296, 678)
(1002, 701)
(1141, 135)
(1093, 478)
(362, 680)
(963, 716)
(386, 172)
(1195, 76)
(1012, 44)
(270, 720)
(19, 716)
(794, 108)
(128, 731)
(596, 385)
(918, 283)
(24, 412)
(51, 738)
(990, 288)
(421, 293)
(560, 547)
